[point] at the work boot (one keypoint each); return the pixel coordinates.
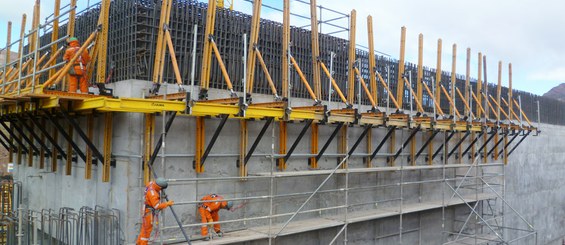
(220, 233)
(207, 238)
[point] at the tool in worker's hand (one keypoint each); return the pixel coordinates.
(239, 206)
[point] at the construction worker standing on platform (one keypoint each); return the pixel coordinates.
(77, 73)
(151, 208)
(209, 209)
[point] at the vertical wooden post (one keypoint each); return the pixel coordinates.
(438, 72)
(200, 141)
(316, 49)
(102, 42)
(285, 44)
(400, 75)
(8, 42)
(207, 49)
(372, 64)
(351, 61)
(253, 38)
(243, 138)
(453, 78)
(42, 151)
(108, 126)
(148, 141)
(30, 150)
(392, 148)
(55, 33)
(420, 74)
(72, 17)
(54, 152)
(510, 99)
(368, 162)
(282, 144)
(69, 160)
(498, 94)
(314, 146)
(342, 146)
(90, 135)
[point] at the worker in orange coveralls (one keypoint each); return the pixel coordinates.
(77, 73)
(151, 208)
(209, 213)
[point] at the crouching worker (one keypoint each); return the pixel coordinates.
(151, 208)
(209, 212)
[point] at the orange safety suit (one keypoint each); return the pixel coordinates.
(209, 212)
(77, 73)
(151, 208)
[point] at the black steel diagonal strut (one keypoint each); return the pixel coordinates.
(298, 139)
(7, 139)
(65, 135)
(473, 143)
(329, 141)
(84, 137)
(388, 134)
(434, 133)
(497, 143)
(257, 140)
(458, 144)
(20, 131)
(441, 146)
(358, 141)
(5, 145)
(517, 144)
(34, 135)
(49, 137)
(509, 142)
(214, 138)
(486, 142)
(406, 142)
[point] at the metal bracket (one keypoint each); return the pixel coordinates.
(33, 134)
(381, 144)
(7, 139)
(515, 135)
(84, 137)
(497, 143)
(160, 142)
(486, 142)
(256, 142)
(20, 131)
(361, 137)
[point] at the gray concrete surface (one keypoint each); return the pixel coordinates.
(534, 183)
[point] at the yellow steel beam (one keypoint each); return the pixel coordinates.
(452, 107)
(42, 150)
(368, 162)
(267, 74)
(372, 60)
(418, 104)
(30, 150)
(389, 93)
(467, 107)
(436, 103)
(367, 92)
(54, 152)
(303, 78)
(107, 148)
(222, 65)
(253, 38)
(351, 60)
(342, 146)
(400, 75)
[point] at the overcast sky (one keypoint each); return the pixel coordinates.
(526, 33)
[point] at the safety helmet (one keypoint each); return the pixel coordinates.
(229, 205)
(161, 182)
(72, 39)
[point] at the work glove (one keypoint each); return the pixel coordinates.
(169, 203)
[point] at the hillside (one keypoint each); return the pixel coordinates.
(557, 92)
